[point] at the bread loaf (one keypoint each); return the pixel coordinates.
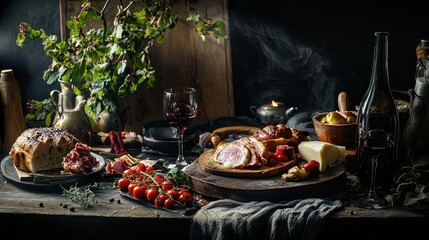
(41, 149)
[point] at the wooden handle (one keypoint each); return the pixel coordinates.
(343, 102)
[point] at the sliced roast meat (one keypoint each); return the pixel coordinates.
(261, 150)
(255, 160)
(232, 155)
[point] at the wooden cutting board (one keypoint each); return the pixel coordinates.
(269, 188)
(208, 165)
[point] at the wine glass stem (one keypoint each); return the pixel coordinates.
(374, 163)
(180, 158)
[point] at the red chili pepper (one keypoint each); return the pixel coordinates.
(311, 165)
(117, 143)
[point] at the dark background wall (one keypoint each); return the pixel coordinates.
(299, 53)
(28, 63)
(304, 54)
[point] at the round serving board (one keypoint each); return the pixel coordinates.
(207, 164)
(269, 188)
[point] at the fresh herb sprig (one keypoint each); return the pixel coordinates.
(84, 197)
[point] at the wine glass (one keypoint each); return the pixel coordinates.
(377, 145)
(180, 108)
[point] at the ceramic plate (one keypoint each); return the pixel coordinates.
(9, 171)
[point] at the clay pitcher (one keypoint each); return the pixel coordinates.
(70, 113)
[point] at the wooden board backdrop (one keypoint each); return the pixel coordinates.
(182, 60)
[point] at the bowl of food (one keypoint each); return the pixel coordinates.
(337, 127)
(333, 127)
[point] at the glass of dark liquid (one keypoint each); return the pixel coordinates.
(180, 108)
(377, 148)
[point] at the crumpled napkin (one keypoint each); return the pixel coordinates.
(228, 219)
(204, 139)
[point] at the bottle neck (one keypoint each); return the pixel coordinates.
(380, 72)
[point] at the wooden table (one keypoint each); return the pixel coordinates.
(27, 213)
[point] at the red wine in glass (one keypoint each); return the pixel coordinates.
(376, 153)
(180, 116)
(180, 108)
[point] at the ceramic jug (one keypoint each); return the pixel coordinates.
(416, 141)
(70, 113)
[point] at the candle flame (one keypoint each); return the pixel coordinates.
(274, 103)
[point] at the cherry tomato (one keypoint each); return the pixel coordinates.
(139, 191)
(123, 184)
(140, 168)
(167, 185)
(151, 194)
(169, 203)
(185, 197)
(160, 200)
(131, 187)
(182, 190)
(149, 169)
(173, 193)
(311, 165)
(129, 172)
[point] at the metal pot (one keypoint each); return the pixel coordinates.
(273, 113)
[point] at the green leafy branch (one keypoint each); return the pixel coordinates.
(107, 63)
(412, 187)
(40, 110)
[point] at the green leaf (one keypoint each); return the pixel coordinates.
(48, 42)
(217, 24)
(94, 14)
(74, 27)
(48, 119)
(20, 40)
(177, 175)
(53, 77)
(118, 31)
(410, 199)
(33, 33)
(123, 65)
(421, 163)
(404, 187)
(78, 70)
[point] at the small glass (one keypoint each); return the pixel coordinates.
(180, 109)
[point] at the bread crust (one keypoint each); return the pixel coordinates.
(41, 149)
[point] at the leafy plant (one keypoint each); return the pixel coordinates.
(40, 111)
(412, 187)
(107, 63)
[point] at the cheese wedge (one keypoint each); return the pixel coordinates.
(326, 154)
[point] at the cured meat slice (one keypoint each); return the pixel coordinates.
(232, 155)
(261, 150)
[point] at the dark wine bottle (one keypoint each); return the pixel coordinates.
(378, 123)
(416, 132)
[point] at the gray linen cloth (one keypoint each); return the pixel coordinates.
(228, 219)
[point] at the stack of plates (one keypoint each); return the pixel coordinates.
(159, 136)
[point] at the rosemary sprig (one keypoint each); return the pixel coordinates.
(84, 197)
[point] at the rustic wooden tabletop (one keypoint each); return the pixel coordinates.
(34, 211)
